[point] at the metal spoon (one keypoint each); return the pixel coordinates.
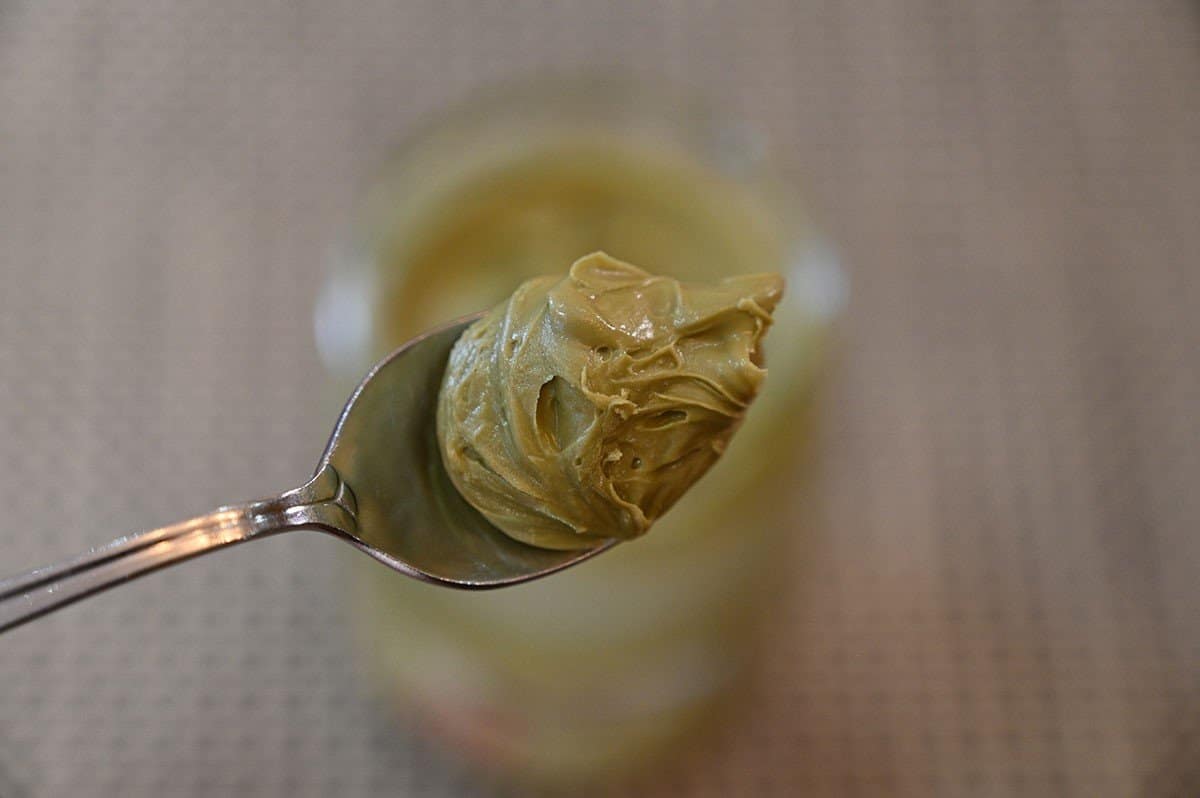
(380, 486)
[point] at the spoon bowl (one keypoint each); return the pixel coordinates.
(409, 514)
(380, 485)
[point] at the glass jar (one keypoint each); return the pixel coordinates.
(601, 666)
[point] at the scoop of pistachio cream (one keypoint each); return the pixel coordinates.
(582, 408)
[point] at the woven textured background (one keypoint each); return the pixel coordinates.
(1003, 595)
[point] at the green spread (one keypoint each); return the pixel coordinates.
(582, 408)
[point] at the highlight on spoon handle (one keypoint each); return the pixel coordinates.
(324, 503)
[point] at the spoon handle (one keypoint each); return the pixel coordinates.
(324, 503)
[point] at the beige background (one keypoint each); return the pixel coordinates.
(1002, 583)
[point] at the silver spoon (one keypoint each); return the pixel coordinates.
(380, 486)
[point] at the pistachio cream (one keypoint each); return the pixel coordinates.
(583, 407)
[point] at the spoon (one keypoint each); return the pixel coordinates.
(379, 486)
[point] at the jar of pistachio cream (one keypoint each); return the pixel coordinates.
(604, 665)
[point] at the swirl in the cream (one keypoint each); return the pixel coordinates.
(583, 407)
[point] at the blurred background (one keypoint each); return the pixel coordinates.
(998, 583)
